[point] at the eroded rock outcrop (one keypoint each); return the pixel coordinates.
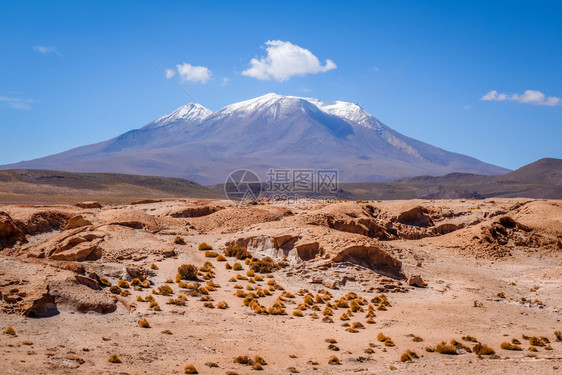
(372, 257)
(75, 245)
(415, 217)
(10, 234)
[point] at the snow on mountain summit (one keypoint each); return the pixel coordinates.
(191, 112)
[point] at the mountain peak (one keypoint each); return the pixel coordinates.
(189, 112)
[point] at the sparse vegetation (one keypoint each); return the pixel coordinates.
(188, 272)
(222, 305)
(205, 246)
(334, 360)
(144, 323)
(211, 254)
(508, 346)
(165, 290)
(179, 241)
(10, 331)
(190, 369)
(237, 267)
(481, 349)
(443, 348)
(153, 267)
(237, 252)
(114, 358)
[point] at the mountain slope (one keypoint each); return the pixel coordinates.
(541, 179)
(271, 131)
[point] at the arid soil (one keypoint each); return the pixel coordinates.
(310, 287)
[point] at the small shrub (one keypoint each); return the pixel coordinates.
(260, 360)
(558, 335)
(417, 339)
(211, 254)
(123, 284)
(211, 364)
(406, 357)
(237, 267)
(166, 332)
(104, 282)
(389, 342)
(293, 370)
(222, 305)
(257, 367)
(144, 323)
(209, 305)
(136, 282)
(381, 337)
(114, 358)
(481, 349)
(298, 313)
(537, 341)
(445, 349)
(125, 293)
(165, 290)
(115, 289)
(333, 347)
(244, 360)
(145, 284)
(153, 267)
(533, 349)
(188, 272)
(154, 306)
(237, 252)
(179, 241)
(508, 346)
(190, 369)
(334, 360)
(221, 258)
(331, 341)
(469, 338)
(205, 246)
(10, 331)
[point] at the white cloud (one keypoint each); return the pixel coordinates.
(225, 81)
(17, 103)
(193, 73)
(376, 69)
(46, 50)
(528, 97)
(284, 60)
(169, 73)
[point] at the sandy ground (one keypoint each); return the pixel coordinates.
(463, 274)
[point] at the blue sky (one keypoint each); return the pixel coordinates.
(75, 73)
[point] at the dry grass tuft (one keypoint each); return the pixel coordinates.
(165, 290)
(188, 272)
(205, 246)
(481, 349)
(334, 360)
(190, 369)
(10, 331)
(508, 346)
(222, 305)
(179, 241)
(153, 267)
(144, 323)
(114, 358)
(445, 349)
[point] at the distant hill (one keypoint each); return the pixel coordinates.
(541, 179)
(44, 186)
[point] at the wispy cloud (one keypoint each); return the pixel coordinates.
(17, 103)
(193, 73)
(169, 73)
(46, 50)
(285, 60)
(528, 97)
(225, 81)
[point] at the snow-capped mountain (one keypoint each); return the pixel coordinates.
(271, 131)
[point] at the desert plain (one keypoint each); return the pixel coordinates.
(277, 287)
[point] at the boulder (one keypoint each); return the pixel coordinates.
(46, 221)
(416, 280)
(77, 222)
(88, 205)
